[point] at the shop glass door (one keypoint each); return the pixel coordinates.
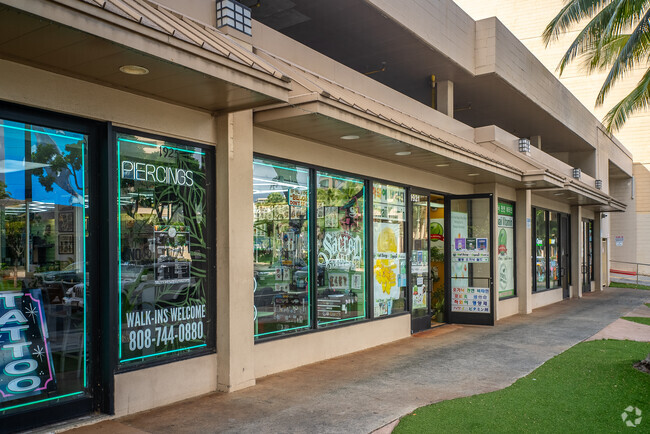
(587, 265)
(45, 352)
(564, 256)
(419, 261)
(470, 291)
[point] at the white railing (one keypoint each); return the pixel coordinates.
(629, 272)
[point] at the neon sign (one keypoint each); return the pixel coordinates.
(25, 356)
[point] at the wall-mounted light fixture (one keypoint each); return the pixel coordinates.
(577, 173)
(524, 145)
(231, 13)
(599, 184)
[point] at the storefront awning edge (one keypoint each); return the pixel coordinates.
(114, 29)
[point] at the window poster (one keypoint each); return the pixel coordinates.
(389, 261)
(459, 235)
(505, 250)
(387, 266)
(469, 299)
(164, 254)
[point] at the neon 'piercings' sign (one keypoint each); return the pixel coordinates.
(153, 173)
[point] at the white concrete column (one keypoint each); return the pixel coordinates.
(524, 250)
(445, 97)
(576, 251)
(235, 332)
(598, 252)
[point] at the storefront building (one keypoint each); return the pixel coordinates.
(231, 203)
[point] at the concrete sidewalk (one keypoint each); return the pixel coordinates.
(365, 391)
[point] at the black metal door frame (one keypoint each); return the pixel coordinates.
(99, 394)
(466, 317)
(422, 322)
(587, 254)
(565, 260)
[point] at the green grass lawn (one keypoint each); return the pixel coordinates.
(639, 319)
(627, 285)
(584, 389)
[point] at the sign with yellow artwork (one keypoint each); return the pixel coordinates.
(386, 264)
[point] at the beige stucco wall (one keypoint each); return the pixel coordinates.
(509, 307)
(288, 353)
(161, 385)
(76, 97)
(544, 298)
(201, 10)
(440, 23)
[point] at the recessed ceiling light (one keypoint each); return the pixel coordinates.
(529, 184)
(134, 70)
(442, 165)
(350, 137)
(403, 153)
(473, 174)
(558, 194)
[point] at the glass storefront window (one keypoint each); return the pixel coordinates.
(165, 250)
(506, 250)
(43, 290)
(281, 248)
(389, 261)
(341, 249)
(553, 244)
(540, 249)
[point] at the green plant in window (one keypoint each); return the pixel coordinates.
(275, 197)
(437, 254)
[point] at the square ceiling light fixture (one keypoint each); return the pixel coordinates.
(577, 173)
(524, 145)
(231, 13)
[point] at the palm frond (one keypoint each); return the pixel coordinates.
(626, 14)
(573, 12)
(602, 59)
(589, 37)
(634, 49)
(636, 100)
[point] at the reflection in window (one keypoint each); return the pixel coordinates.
(341, 249)
(540, 248)
(43, 200)
(553, 243)
(164, 248)
(389, 262)
(281, 247)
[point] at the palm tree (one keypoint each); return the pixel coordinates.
(616, 39)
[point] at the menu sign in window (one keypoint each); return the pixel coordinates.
(474, 300)
(164, 254)
(389, 262)
(505, 250)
